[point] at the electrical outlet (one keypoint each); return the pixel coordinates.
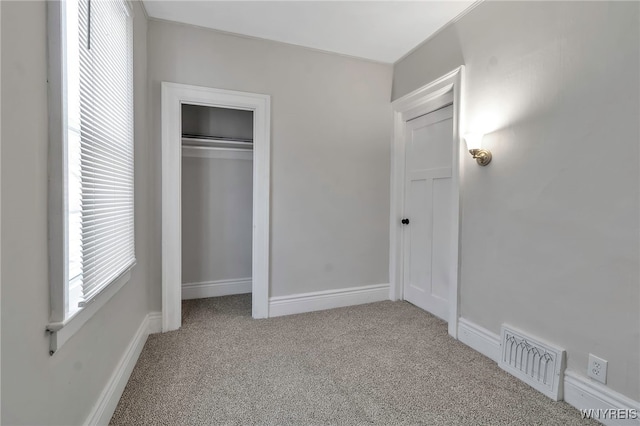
(597, 368)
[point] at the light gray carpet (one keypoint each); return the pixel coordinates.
(386, 363)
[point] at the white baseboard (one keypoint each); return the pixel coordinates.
(579, 391)
(216, 288)
(328, 299)
(108, 401)
(479, 338)
(583, 393)
(155, 322)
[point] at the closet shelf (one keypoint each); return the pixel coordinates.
(216, 142)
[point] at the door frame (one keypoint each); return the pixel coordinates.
(173, 96)
(440, 92)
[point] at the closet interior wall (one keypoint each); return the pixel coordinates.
(217, 196)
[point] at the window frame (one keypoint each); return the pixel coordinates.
(60, 329)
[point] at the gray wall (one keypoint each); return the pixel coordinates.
(550, 227)
(37, 388)
(330, 133)
(217, 197)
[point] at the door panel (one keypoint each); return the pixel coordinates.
(429, 141)
(418, 239)
(428, 205)
(443, 221)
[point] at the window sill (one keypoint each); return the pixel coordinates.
(60, 332)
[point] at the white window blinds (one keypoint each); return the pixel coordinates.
(99, 148)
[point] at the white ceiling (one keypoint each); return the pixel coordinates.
(378, 30)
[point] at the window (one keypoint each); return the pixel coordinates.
(91, 171)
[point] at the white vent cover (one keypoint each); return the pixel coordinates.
(538, 364)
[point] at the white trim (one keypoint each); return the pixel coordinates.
(108, 401)
(173, 96)
(583, 393)
(479, 338)
(218, 153)
(579, 391)
(61, 332)
(216, 288)
(155, 322)
(328, 299)
(421, 101)
(57, 160)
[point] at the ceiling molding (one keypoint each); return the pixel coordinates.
(266, 40)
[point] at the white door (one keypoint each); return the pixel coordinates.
(428, 211)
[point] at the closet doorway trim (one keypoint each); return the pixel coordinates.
(173, 96)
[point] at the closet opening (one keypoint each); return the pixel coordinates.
(217, 201)
(231, 130)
